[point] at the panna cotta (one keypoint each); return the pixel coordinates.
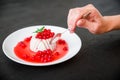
(41, 41)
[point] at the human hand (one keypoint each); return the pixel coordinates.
(95, 22)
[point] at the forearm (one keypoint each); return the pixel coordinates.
(112, 22)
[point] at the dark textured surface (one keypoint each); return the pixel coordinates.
(98, 59)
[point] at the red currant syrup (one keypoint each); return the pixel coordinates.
(22, 50)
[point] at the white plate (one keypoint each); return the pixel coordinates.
(74, 44)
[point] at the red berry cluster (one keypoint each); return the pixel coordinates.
(44, 56)
(61, 42)
(22, 44)
(45, 34)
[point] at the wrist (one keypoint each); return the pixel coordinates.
(112, 22)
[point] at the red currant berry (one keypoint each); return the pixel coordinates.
(42, 59)
(38, 34)
(40, 37)
(28, 39)
(52, 34)
(57, 53)
(39, 53)
(48, 30)
(45, 30)
(49, 51)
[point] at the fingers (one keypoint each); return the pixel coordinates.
(76, 14)
(73, 16)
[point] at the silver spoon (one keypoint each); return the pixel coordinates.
(58, 35)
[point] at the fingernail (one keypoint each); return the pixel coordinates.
(71, 29)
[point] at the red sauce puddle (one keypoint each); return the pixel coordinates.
(22, 50)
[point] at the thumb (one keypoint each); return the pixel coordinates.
(80, 23)
(83, 23)
(87, 25)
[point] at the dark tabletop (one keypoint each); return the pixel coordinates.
(98, 59)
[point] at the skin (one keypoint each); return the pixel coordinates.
(95, 22)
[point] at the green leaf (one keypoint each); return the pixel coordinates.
(39, 30)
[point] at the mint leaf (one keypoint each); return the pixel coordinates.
(39, 30)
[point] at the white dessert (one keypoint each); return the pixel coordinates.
(37, 44)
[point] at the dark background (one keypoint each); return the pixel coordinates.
(98, 59)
